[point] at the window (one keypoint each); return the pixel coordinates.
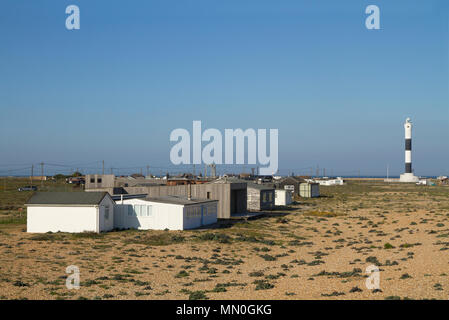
(210, 211)
(208, 195)
(270, 197)
(99, 180)
(196, 211)
(92, 180)
(106, 213)
(140, 210)
(190, 212)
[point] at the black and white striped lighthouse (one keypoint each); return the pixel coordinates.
(408, 145)
(408, 176)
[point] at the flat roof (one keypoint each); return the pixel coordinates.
(66, 198)
(229, 180)
(117, 197)
(178, 200)
(260, 186)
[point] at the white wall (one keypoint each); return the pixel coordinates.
(42, 219)
(160, 216)
(155, 215)
(282, 197)
(106, 224)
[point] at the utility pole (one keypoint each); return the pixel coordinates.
(317, 171)
(148, 170)
(42, 173)
(324, 172)
(31, 177)
(102, 171)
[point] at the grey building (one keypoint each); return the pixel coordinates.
(99, 181)
(289, 183)
(231, 196)
(230, 193)
(116, 185)
(260, 197)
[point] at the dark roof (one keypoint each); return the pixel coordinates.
(178, 200)
(67, 198)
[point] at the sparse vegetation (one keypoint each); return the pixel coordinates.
(358, 224)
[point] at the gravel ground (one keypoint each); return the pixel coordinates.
(315, 249)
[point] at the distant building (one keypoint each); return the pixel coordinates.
(282, 197)
(290, 184)
(443, 180)
(260, 197)
(99, 181)
(169, 212)
(76, 180)
(184, 181)
(39, 178)
(70, 212)
(115, 185)
(309, 190)
(329, 182)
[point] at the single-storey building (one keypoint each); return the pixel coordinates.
(260, 197)
(330, 182)
(290, 184)
(168, 212)
(70, 212)
(231, 196)
(282, 197)
(309, 190)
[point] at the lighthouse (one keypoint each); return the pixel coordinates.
(408, 176)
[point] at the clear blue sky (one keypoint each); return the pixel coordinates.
(136, 70)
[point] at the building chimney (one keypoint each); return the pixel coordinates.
(189, 190)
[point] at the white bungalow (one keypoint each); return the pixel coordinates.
(70, 212)
(169, 212)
